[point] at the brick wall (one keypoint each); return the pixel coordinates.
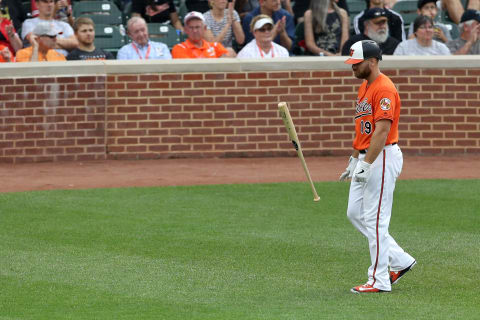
(224, 114)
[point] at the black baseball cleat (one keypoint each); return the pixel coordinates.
(396, 275)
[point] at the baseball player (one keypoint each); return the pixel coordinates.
(374, 166)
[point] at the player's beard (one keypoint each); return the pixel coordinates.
(362, 74)
(379, 37)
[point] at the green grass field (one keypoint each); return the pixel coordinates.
(232, 252)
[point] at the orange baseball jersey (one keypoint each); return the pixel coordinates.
(378, 101)
(188, 50)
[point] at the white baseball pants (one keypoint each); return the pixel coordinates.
(370, 209)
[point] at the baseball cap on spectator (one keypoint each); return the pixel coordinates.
(193, 15)
(45, 28)
(261, 22)
(363, 50)
(421, 3)
(470, 15)
(374, 13)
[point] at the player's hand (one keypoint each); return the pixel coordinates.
(352, 163)
(362, 172)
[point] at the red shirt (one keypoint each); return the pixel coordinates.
(376, 102)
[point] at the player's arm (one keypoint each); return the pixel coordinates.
(379, 137)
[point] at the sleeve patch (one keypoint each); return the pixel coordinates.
(385, 104)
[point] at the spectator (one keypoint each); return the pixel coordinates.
(197, 5)
(63, 11)
(245, 6)
(325, 27)
(85, 32)
(223, 24)
(469, 40)
(196, 46)
(423, 43)
(66, 40)
(157, 11)
(395, 20)
(301, 6)
(141, 46)
(10, 18)
(455, 8)
(43, 39)
(5, 54)
(429, 8)
(262, 46)
(284, 29)
(375, 28)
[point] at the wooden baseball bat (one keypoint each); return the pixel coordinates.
(292, 133)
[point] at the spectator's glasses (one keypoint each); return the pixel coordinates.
(426, 27)
(265, 29)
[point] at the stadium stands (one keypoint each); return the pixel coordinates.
(109, 37)
(165, 33)
(101, 12)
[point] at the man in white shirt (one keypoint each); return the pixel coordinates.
(141, 46)
(469, 40)
(262, 46)
(66, 40)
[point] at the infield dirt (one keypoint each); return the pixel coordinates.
(168, 172)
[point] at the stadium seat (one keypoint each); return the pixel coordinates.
(101, 12)
(109, 37)
(454, 31)
(407, 9)
(354, 8)
(165, 33)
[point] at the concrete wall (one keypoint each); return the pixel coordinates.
(224, 108)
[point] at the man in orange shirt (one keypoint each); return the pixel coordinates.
(374, 166)
(43, 39)
(195, 46)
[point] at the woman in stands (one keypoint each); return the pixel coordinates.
(423, 43)
(326, 28)
(223, 24)
(262, 46)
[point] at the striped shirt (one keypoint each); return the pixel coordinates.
(216, 27)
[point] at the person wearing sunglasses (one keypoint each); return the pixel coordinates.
(44, 40)
(376, 28)
(262, 46)
(423, 43)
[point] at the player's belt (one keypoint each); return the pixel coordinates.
(365, 150)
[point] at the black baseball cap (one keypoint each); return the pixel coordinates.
(363, 50)
(375, 13)
(421, 3)
(470, 15)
